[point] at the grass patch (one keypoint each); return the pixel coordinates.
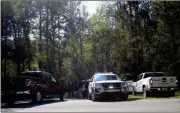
(140, 96)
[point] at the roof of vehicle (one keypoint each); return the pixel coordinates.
(153, 72)
(108, 73)
(32, 72)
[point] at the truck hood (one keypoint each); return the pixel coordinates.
(109, 81)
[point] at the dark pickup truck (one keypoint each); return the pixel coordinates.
(35, 85)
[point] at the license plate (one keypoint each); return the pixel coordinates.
(164, 89)
(111, 87)
(113, 90)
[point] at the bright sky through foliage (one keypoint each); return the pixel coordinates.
(91, 6)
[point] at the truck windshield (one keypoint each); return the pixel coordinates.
(153, 75)
(105, 77)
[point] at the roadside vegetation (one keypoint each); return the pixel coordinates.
(59, 37)
(140, 96)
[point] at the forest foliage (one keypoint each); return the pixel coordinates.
(61, 38)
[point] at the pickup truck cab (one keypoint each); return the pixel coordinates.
(107, 85)
(150, 82)
(34, 85)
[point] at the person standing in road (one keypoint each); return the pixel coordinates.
(70, 89)
(86, 87)
(80, 90)
(62, 90)
(83, 90)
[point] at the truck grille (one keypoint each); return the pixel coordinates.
(115, 85)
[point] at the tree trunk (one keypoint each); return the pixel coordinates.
(47, 37)
(81, 49)
(72, 36)
(4, 67)
(40, 40)
(53, 53)
(5, 60)
(40, 33)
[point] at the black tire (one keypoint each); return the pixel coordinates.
(172, 93)
(61, 96)
(144, 92)
(125, 97)
(93, 97)
(10, 101)
(37, 97)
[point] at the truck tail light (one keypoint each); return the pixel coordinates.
(27, 82)
(150, 82)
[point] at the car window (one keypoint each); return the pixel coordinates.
(44, 76)
(48, 76)
(92, 78)
(105, 77)
(30, 74)
(147, 75)
(153, 75)
(139, 77)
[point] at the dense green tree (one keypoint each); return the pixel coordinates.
(59, 37)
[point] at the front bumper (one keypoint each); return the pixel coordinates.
(100, 93)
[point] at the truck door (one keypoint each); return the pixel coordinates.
(49, 83)
(55, 86)
(90, 85)
(44, 82)
(139, 83)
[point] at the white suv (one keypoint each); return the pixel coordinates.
(107, 85)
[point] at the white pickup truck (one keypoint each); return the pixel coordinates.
(149, 82)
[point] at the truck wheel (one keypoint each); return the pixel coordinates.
(11, 101)
(125, 97)
(172, 93)
(93, 97)
(61, 97)
(144, 93)
(38, 97)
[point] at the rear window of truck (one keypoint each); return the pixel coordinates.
(153, 75)
(30, 74)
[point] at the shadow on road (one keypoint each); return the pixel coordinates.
(118, 100)
(133, 99)
(30, 104)
(154, 96)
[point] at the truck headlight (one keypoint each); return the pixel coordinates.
(98, 85)
(123, 84)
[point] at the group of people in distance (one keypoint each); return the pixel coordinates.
(78, 89)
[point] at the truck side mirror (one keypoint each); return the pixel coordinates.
(90, 80)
